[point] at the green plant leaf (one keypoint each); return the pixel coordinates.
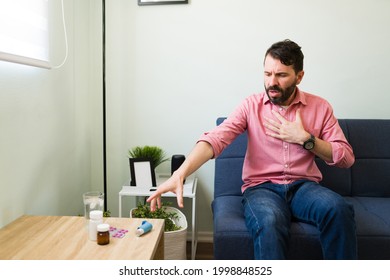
(153, 153)
(143, 211)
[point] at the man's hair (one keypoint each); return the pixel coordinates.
(288, 52)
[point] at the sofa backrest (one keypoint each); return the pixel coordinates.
(369, 176)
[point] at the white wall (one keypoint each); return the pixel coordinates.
(171, 71)
(174, 69)
(47, 122)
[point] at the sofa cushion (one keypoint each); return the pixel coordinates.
(370, 177)
(228, 183)
(371, 215)
(368, 137)
(334, 178)
(230, 231)
(372, 226)
(369, 174)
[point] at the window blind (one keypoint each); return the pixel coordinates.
(24, 32)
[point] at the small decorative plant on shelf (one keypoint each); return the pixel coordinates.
(153, 153)
(143, 211)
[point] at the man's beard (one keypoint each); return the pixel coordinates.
(284, 94)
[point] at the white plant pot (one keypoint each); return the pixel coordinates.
(175, 242)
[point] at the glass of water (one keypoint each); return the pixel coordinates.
(93, 200)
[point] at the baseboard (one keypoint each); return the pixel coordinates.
(203, 236)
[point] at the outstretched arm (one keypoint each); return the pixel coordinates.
(201, 153)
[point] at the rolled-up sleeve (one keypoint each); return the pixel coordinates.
(342, 151)
(342, 155)
(220, 137)
(224, 134)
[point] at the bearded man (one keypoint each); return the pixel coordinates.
(287, 128)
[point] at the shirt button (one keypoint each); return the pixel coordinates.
(286, 165)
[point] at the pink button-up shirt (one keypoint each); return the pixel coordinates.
(271, 159)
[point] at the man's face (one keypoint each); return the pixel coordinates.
(280, 81)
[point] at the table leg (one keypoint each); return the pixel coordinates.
(120, 206)
(194, 237)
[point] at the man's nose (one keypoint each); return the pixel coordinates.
(272, 81)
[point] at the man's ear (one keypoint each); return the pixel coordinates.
(300, 76)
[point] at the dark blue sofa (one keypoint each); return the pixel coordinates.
(366, 185)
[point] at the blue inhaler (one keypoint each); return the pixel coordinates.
(144, 228)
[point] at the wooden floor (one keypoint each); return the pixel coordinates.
(204, 251)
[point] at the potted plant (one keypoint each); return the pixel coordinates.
(155, 154)
(143, 160)
(175, 233)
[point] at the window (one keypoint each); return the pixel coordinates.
(24, 32)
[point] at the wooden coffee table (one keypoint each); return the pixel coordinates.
(66, 238)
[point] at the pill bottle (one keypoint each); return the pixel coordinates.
(103, 234)
(96, 218)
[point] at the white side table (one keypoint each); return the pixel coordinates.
(189, 191)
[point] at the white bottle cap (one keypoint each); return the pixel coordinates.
(103, 227)
(139, 231)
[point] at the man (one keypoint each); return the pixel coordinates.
(286, 128)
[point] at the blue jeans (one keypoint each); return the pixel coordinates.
(269, 209)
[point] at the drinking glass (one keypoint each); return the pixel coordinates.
(93, 200)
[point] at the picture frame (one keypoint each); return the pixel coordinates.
(161, 2)
(142, 172)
